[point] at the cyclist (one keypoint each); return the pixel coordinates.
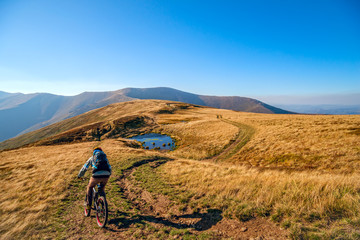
(100, 174)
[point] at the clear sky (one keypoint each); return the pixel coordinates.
(243, 48)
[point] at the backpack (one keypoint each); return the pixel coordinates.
(100, 162)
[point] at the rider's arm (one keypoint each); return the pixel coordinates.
(85, 167)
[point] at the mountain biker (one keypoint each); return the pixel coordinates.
(100, 174)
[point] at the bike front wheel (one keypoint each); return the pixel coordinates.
(101, 211)
(86, 211)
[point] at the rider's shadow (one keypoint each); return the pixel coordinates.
(207, 220)
(201, 222)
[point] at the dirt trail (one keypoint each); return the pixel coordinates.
(156, 208)
(155, 216)
(243, 136)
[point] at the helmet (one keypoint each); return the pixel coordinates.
(97, 148)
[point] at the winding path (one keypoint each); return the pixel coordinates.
(244, 135)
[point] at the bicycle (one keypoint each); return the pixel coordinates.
(100, 205)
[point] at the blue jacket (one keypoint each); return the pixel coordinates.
(96, 174)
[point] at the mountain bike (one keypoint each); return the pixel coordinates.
(99, 205)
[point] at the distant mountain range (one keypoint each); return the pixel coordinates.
(322, 108)
(21, 113)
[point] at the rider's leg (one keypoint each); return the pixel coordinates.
(89, 192)
(102, 182)
(92, 183)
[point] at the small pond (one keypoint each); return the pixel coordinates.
(155, 140)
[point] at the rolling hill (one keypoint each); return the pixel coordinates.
(22, 113)
(267, 176)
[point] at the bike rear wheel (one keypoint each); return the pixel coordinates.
(101, 211)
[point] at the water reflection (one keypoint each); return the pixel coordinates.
(155, 141)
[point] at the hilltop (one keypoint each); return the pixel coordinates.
(233, 175)
(22, 113)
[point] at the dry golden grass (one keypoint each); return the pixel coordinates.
(198, 131)
(35, 178)
(200, 139)
(328, 143)
(303, 192)
(302, 168)
(295, 196)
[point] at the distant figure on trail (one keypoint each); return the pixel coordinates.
(100, 174)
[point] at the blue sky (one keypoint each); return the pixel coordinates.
(243, 48)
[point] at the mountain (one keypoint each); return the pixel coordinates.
(232, 103)
(21, 113)
(4, 94)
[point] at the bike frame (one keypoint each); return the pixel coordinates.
(100, 206)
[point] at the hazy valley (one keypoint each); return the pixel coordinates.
(322, 108)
